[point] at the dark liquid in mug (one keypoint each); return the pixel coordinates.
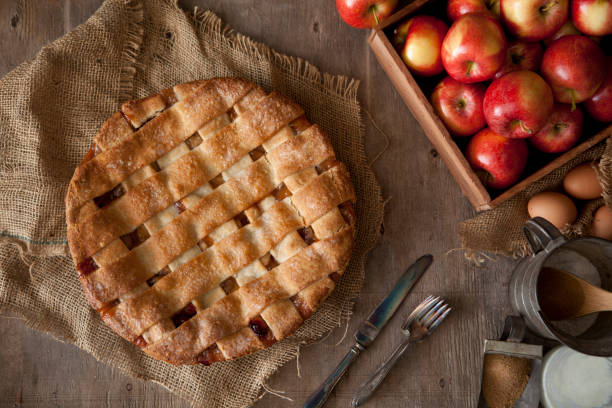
(559, 297)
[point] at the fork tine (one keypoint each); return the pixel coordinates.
(418, 311)
(433, 316)
(440, 319)
(427, 306)
(431, 311)
(422, 306)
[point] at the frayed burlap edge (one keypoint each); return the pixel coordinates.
(605, 174)
(131, 49)
(209, 23)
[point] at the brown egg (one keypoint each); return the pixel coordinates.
(581, 182)
(602, 223)
(557, 208)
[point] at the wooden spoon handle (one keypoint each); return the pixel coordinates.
(596, 300)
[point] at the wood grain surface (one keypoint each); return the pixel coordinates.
(422, 215)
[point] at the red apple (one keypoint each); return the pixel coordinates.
(474, 48)
(400, 33)
(457, 8)
(566, 29)
(421, 51)
(593, 17)
(599, 105)
(521, 55)
(518, 104)
(561, 130)
(533, 20)
(365, 13)
(574, 66)
(459, 106)
(498, 161)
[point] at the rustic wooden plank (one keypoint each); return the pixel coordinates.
(22, 35)
(422, 216)
(38, 371)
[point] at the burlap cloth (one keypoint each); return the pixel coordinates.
(51, 108)
(499, 231)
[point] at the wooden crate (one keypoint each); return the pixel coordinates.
(414, 96)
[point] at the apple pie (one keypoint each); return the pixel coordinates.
(209, 221)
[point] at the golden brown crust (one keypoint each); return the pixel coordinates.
(209, 217)
(227, 315)
(139, 111)
(114, 131)
(306, 149)
(282, 318)
(324, 193)
(206, 271)
(153, 140)
(180, 178)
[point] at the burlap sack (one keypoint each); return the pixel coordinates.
(499, 230)
(51, 108)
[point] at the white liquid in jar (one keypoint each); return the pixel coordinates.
(573, 379)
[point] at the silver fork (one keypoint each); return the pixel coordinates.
(421, 323)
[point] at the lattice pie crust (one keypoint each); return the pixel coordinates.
(209, 221)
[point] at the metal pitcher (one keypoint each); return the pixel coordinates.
(588, 258)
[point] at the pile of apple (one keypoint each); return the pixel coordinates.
(517, 71)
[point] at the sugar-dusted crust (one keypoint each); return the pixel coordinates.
(209, 221)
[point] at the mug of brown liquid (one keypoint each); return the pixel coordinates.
(541, 288)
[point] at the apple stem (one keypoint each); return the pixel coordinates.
(469, 66)
(373, 10)
(573, 102)
(520, 124)
(525, 128)
(548, 6)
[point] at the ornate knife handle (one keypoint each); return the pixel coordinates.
(317, 399)
(368, 388)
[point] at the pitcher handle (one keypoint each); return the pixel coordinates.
(541, 233)
(514, 329)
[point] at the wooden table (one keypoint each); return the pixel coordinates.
(422, 216)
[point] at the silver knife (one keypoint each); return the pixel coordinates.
(369, 328)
